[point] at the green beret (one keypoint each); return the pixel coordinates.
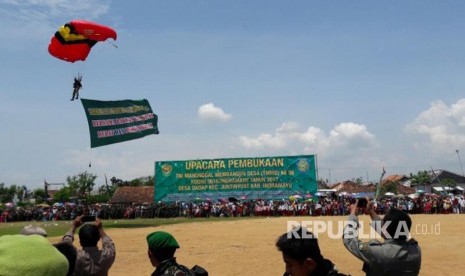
(160, 240)
(30, 255)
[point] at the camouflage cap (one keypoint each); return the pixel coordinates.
(160, 240)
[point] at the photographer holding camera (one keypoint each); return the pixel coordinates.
(90, 259)
(397, 255)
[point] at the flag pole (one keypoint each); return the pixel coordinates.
(439, 180)
(378, 190)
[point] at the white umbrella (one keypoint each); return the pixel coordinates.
(389, 194)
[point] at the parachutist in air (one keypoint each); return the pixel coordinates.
(77, 85)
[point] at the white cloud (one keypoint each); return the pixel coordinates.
(264, 140)
(22, 20)
(56, 8)
(347, 151)
(124, 163)
(440, 127)
(279, 140)
(212, 113)
(349, 136)
(457, 112)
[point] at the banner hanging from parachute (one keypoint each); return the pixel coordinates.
(118, 121)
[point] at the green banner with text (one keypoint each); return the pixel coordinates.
(118, 121)
(240, 178)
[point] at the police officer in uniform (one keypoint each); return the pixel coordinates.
(90, 260)
(162, 246)
(397, 255)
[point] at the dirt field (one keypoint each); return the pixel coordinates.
(247, 247)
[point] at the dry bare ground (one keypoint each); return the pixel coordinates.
(247, 247)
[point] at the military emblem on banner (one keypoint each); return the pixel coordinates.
(166, 169)
(303, 165)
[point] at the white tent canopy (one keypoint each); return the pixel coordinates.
(441, 189)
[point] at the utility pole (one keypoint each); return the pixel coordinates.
(106, 185)
(329, 176)
(46, 190)
(46, 185)
(460, 161)
(378, 189)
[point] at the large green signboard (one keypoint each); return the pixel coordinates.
(251, 178)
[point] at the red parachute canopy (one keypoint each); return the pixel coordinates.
(73, 41)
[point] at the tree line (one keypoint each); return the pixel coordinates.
(80, 187)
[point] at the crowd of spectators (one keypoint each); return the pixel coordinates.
(328, 205)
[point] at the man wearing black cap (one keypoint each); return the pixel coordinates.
(162, 247)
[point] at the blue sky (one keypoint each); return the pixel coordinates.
(361, 84)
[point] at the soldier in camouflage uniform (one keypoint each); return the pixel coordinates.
(77, 85)
(162, 247)
(397, 255)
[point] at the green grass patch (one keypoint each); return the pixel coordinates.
(59, 228)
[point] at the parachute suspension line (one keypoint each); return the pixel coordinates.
(98, 49)
(113, 44)
(90, 157)
(81, 68)
(81, 65)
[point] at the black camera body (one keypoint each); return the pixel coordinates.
(362, 203)
(87, 218)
